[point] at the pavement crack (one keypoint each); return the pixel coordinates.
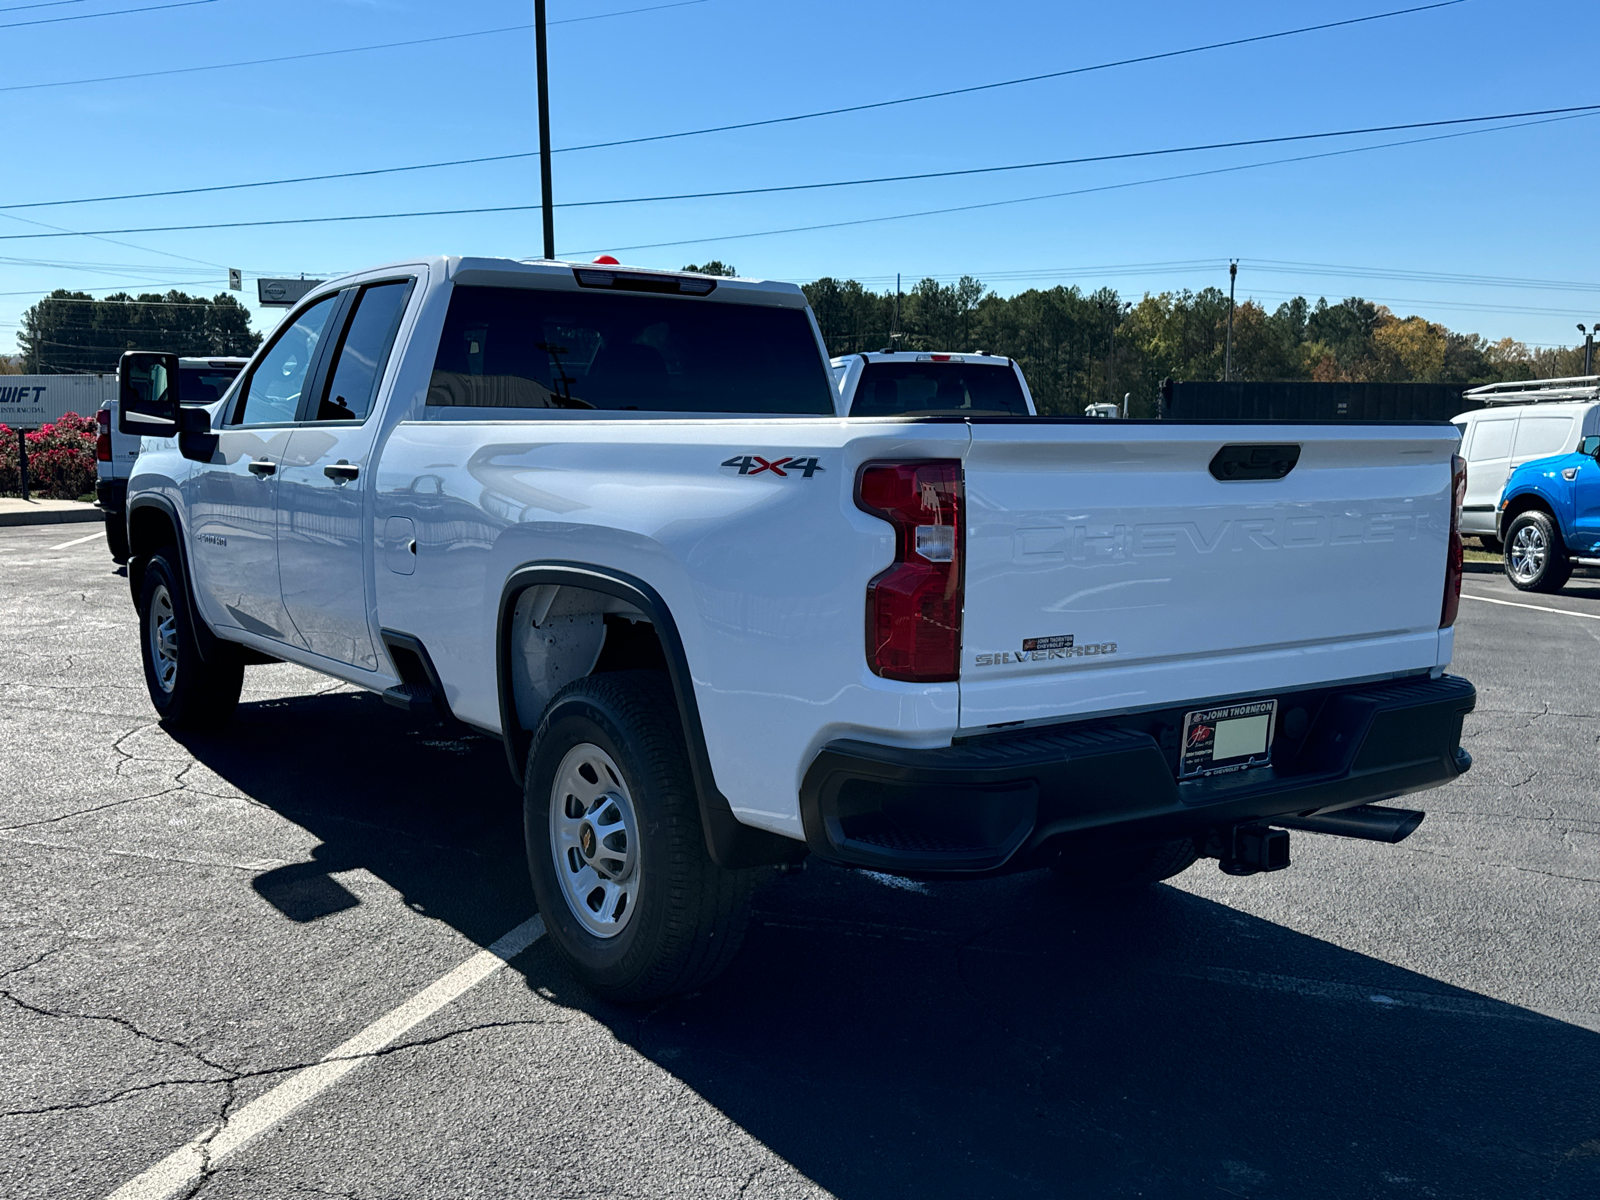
(80, 812)
(121, 1022)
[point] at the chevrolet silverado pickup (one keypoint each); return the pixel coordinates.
(620, 520)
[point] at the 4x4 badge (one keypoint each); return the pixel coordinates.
(754, 464)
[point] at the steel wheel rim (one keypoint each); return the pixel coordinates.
(594, 840)
(1527, 553)
(163, 635)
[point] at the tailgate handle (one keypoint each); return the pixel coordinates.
(1254, 462)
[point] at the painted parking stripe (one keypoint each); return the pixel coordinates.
(1565, 612)
(78, 541)
(183, 1166)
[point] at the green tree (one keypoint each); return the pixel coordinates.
(72, 331)
(714, 267)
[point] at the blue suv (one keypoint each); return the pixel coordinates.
(1550, 514)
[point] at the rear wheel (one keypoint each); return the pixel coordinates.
(1536, 560)
(117, 537)
(188, 691)
(628, 892)
(1125, 870)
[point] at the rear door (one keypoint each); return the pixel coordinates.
(1108, 568)
(1488, 464)
(324, 482)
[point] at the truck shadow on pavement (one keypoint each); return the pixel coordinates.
(888, 1039)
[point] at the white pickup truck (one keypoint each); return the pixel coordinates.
(924, 383)
(618, 519)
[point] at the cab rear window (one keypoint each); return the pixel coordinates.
(917, 388)
(526, 348)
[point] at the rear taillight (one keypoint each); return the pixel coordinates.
(914, 607)
(102, 444)
(1453, 568)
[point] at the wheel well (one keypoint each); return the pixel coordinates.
(149, 529)
(560, 633)
(1517, 506)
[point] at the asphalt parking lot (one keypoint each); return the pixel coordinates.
(192, 923)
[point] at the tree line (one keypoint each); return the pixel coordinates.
(72, 332)
(1078, 348)
(1075, 347)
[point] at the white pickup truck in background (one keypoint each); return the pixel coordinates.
(201, 381)
(624, 521)
(922, 383)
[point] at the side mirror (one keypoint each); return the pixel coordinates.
(147, 400)
(1591, 445)
(196, 442)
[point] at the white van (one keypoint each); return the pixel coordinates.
(1520, 421)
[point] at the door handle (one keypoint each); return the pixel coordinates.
(342, 471)
(262, 467)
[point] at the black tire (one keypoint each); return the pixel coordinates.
(117, 537)
(1536, 559)
(189, 692)
(1126, 870)
(684, 920)
(1492, 544)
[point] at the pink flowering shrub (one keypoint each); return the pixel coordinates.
(60, 459)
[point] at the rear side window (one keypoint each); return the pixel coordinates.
(534, 349)
(363, 353)
(913, 388)
(1538, 436)
(1492, 439)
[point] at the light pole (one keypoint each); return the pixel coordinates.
(544, 131)
(1588, 349)
(1227, 362)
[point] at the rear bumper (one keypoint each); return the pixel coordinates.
(111, 495)
(1013, 801)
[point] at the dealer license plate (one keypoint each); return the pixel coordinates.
(1229, 738)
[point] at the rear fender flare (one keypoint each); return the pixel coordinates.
(730, 843)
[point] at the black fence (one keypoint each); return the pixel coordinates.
(1316, 401)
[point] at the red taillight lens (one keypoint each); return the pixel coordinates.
(1453, 569)
(102, 444)
(914, 607)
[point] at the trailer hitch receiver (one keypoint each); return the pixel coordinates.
(1249, 849)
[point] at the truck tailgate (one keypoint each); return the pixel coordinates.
(1108, 569)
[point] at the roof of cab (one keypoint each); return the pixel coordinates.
(562, 275)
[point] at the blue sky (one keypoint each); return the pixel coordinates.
(1390, 224)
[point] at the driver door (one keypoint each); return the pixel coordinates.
(233, 499)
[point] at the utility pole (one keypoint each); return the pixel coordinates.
(894, 334)
(544, 131)
(1588, 349)
(1227, 362)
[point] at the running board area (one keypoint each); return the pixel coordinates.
(419, 691)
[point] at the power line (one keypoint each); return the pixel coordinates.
(282, 58)
(120, 12)
(495, 158)
(1575, 110)
(1107, 187)
(45, 4)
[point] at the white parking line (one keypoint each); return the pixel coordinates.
(186, 1164)
(78, 541)
(1565, 612)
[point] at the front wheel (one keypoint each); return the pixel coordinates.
(188, 691)
(628, 892)
(1536, 560)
